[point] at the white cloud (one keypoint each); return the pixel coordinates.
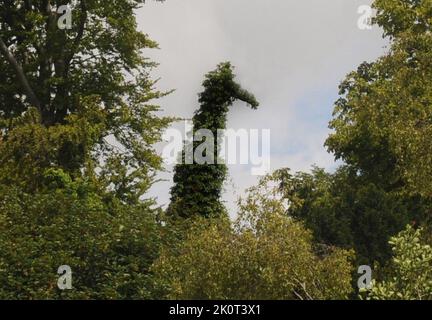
(290, 54)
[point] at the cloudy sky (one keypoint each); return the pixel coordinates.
(291, 54)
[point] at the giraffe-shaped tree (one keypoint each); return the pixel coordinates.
(197, 187)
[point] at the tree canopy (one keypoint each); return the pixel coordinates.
(78, 126)
(95, 71)
(382, 120)
(78, 123)
(263, 255)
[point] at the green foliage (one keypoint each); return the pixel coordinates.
(77, 130)
(77, 133)
(346, 210)
(108, 245)
(29, 148)
(52, 76)
(382, 121)
(410, 277)
(264, 255)
(401, 16)
(382, 127)
(197, 187)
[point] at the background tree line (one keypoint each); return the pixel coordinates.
(78, 122)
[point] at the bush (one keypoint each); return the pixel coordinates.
(264, 255)
(410, 277)
(108, 245)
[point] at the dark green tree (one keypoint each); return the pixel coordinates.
(347, 210)
(198, 186)
(382, 127)
(108, 245)
(50, 74)
(77, 129)
(382, 121)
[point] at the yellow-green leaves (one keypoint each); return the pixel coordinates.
(410, 277)
(263, 255)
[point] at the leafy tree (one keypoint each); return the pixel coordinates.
(50, 72)
(403, 16)
(346, 210)
(77, 129)
(382, 121)
(381, 127)
(410, 277)
(197, 187)
(108, 245)
(30, 148)
(264, 255)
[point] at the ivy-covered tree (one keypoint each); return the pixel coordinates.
(198, 186)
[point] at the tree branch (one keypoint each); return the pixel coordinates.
(80, 34)
(20, 75)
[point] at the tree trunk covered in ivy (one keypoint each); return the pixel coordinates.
(197, 187)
